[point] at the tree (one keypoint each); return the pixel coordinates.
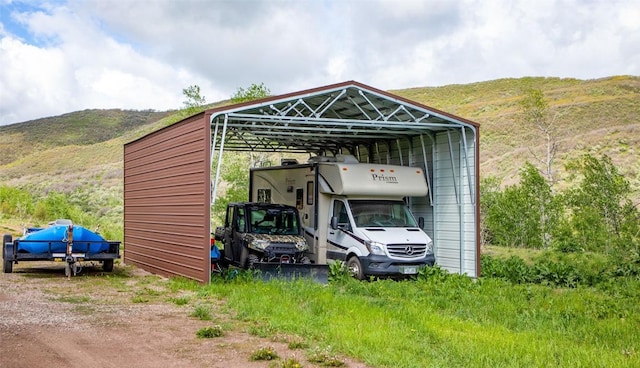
(235, 175)
(235, 166)
(522, 215)
(194, 101)
(600, 208)
(489, 195)
(254, 92)
(536, 114)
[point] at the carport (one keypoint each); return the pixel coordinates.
(169, 182)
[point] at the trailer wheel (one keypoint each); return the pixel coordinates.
(355, 268)
(7, 264)
(107, 265)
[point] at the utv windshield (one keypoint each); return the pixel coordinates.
(273, 221)
(370, 213)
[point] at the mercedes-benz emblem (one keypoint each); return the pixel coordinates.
(408, 250)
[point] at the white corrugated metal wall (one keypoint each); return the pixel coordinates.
(454, 202)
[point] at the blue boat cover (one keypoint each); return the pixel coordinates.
(84, 240)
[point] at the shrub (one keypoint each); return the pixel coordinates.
(338, 273)
(324, 358)
(513, 269)
(202, 312)
(264, 353)
(210, 332)
(290, 363)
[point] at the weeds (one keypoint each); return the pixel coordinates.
(287, 363)
(182, 300)
(264, 353)
(140, 299)
(338, 272)
(202, 312)
(210, 332)
(325, 358)
(556, 269)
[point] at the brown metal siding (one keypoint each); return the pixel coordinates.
(166, 200)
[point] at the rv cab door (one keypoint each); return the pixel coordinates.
(336, 232)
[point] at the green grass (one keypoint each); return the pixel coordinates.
(451, 322)
(202, 312)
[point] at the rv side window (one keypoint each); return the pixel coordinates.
(264, 195)
(299, 198)
(340, 211)
(310, 192)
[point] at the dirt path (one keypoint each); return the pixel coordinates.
(49, 321)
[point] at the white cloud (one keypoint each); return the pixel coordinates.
(63, 56)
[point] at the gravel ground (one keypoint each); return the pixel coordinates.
(47, 320)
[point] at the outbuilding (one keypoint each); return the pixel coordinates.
(170, 184)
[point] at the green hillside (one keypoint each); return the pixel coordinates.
(82, 151)
(597, 116)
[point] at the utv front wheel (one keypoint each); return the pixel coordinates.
(252, 260)
(355, 268)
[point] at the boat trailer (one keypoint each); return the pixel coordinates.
(40, 244)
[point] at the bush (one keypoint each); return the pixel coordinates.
(561, 269)
(338, 273)
(210, 332)
(513, 269)
(264, 353)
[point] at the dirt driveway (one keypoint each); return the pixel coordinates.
(47, 320)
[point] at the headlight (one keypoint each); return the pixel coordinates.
(375, 247)
(430, 247)
(302, 245)
(259, 244)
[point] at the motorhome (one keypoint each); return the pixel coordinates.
(351, 211)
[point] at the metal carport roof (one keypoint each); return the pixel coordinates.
(326, 119)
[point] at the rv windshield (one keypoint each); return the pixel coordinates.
(380, 213)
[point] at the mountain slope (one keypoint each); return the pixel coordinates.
(597, 116)
(83, 150)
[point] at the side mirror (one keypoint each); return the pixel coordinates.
(334, 222)
(421, 222)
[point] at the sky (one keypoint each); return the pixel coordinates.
(62, 56)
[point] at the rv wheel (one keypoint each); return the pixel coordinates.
(355, 268)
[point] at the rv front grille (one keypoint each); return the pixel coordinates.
(407, 250)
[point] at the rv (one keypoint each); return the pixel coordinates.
(351, 211)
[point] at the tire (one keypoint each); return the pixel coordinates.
(107, 265)
(355, 268)
(252, 259)
(7, 264)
